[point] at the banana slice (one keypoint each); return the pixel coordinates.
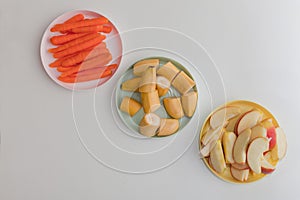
(169, 71)
(130, 106)
(173, 107)
(189, 103)
(149, 124)
(140, 67)
(150, 101)
(168, 127)
(183, 83)
(148, 80)
(131, 85)
(162, 85)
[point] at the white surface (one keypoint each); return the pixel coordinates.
(255, 44)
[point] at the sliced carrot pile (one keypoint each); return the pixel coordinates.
(81, 53)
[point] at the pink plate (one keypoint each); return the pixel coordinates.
(113, 43)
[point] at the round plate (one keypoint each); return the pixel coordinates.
(133, 122)
(245, 106)
(113, 42)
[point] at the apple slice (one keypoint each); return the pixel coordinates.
(240, 146)
(267, 123)
(238, 174)
(266, 166)
(255, 153)
(248, 120)
(240, 166)
(232, 123)
(210, 134)
(204, 152)
(274, 153)
(271, 134)
(228, 141)
(269, 157)
(224, 114)
(258, 131)
(281, 143)
(217, 158)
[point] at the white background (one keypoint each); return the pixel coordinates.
(255, 44)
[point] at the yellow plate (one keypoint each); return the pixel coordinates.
(245, 106)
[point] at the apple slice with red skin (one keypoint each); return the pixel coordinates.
(238, 174)
(248, 120)
(255, 153)
(267, 167)
(271, 133)
(240, 166)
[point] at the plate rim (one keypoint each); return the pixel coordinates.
(233, 181)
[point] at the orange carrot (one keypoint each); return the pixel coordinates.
(75, 18)
(96, 70)
(86, 22)
(79, 47)
(87, 77)
(90, 29)
(77, 69)
(64, 69)
(62, 39)
(85, 55)
(90, 64)
(58, 62)
(90, 77)
(74, 42)
(98, 61)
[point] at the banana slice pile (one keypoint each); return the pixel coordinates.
(153, 82)
(242, 142)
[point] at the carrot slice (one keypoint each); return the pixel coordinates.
(85, 55)
(74, 42)
(90, 77)
(77, 69)
(89, 29)
(64, 69)
(58, 62)
(98, 61)
(79, 47)
(75, 18)
(86, 22)
(62, 39)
